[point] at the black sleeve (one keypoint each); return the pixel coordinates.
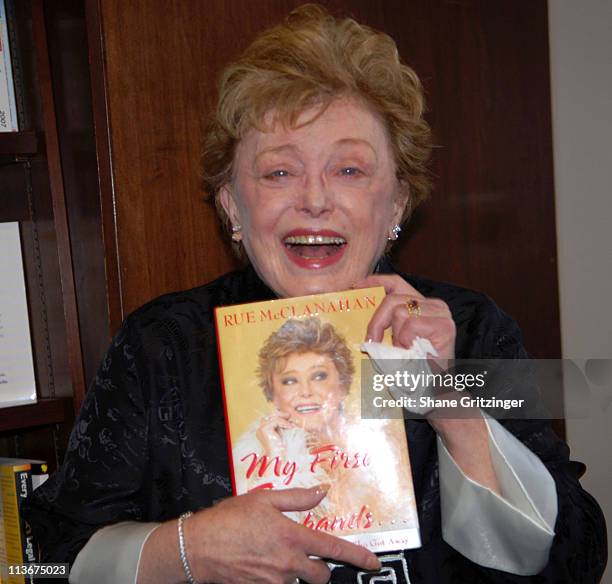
(99, 482)
(579, 551)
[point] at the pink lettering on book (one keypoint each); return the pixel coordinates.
(334, 457)
(361, 520)
(280, 469)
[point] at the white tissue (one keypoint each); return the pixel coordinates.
(388, 360)
(419, 349)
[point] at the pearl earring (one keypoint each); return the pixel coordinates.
(236, 236)
(394, 233)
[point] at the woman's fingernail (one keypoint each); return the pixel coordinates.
(322, 489)
(374, 564)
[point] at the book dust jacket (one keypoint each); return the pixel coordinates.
(291, 371)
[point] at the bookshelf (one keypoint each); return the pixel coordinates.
(41, 168)
(46, 412)
(18, 143)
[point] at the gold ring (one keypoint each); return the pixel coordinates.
(413, 307)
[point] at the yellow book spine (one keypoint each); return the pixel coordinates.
(11, 523)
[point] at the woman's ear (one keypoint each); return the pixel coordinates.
(228, 202)
(402, 203)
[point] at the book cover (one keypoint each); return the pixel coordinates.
(28, 475)
(8, 109)
(17, 380)
(15, 485)
(291, 371)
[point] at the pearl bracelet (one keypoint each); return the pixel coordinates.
(182, 552)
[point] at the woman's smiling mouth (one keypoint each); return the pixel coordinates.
(308, 408)
(314, 250)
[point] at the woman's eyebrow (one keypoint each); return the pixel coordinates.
(293, 148)
(276, 149)
(319, 365)
(356, 142)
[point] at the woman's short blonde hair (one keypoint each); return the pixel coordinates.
(310, 59)
(298, 336)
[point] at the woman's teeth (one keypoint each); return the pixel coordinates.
(307, 409)
(314, 240)
(314, 246)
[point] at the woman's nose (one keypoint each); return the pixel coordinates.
(315, 197)
(305, 389)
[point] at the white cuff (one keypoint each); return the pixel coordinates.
(512, 533)
(112, 554)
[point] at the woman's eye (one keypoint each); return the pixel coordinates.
(276, 174)
(320, 376)
(288, 380)
(350, 171)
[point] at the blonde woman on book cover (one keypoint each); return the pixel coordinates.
(305, 371)
(316, 155)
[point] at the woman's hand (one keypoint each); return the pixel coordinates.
(429, 318)
(466, 435)
(270, 432)
(247, 539)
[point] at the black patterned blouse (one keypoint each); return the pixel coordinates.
(149, 442)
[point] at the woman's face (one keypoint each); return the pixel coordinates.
(307, 387)
(317, 202)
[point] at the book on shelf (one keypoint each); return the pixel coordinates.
(291, 375)
(8, 108)
(17, 380)
(18, 478)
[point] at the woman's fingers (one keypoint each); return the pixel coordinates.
(318, 543)
(398, 311)
(247, 539)
(278, 422)
(409, 315)
(274, 422)
(439, 330)
(269, 433)
(404, 331)
(282, 414)
(329, 547)
(296, 499)
(313, 571)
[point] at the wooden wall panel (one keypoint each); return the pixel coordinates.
(490, 222)
(160, 85)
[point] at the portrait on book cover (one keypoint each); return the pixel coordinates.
(311, 433)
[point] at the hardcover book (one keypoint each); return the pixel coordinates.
(8, 110)
(17, 546)
(291, 371)
(17, 380)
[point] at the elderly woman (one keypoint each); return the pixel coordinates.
(304, 360)
(315, 157)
